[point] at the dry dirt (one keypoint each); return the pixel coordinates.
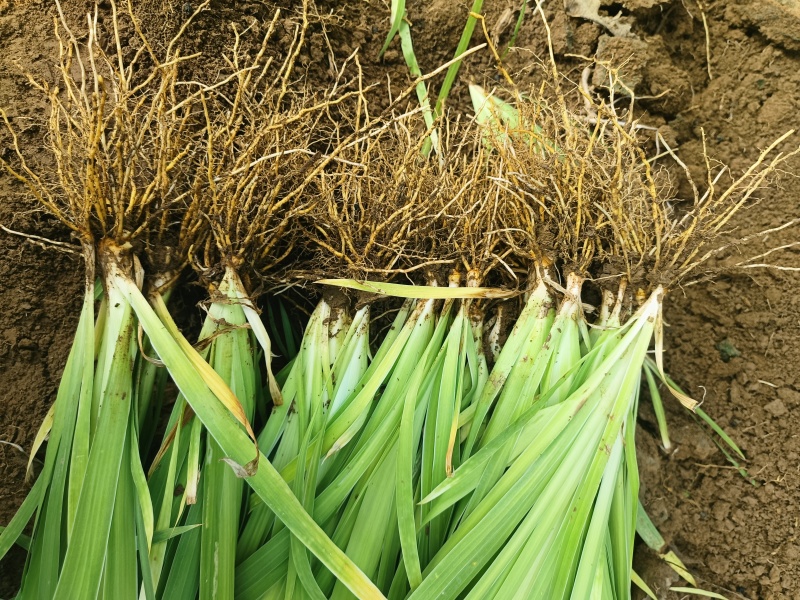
(740, 537)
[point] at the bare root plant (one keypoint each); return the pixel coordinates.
(121, 137)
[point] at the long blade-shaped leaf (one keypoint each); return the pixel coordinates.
(84, 560)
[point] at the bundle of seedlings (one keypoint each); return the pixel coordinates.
(548, 503)
(409, 439)
(392, 218)
(438, 410)
(426, 415)
(265, 144)
(134, 147)
(119, 153)
(373, 221)
(333, 357)
(437, 453)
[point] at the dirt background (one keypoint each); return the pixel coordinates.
(739, 537)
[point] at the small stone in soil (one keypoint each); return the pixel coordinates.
(776, 408)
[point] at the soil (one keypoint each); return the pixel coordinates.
(735, 341)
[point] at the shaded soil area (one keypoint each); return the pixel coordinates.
(726, 73)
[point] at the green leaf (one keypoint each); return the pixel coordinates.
(398, 11)
(12, 533)
(648, 531)
(407, 47)
(651, 536)
(463, 44)
(163, 535)
(85, 556)
(658, 408)
(231, 356)
(639, 582)
(595, 535)
(142, 539)
(374, 515)
(181, 578)
(120, 576)
(719, 431)
(41, 436)
(490, 110)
